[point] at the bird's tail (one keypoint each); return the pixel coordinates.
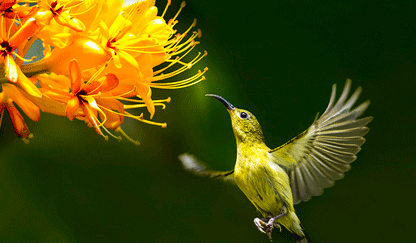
(301, 239)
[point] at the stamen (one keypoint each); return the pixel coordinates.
(143, 105)
(166, 8)
(181, 84)
(183, 4)
(114, 136)
(95, 75)
(140, 118)
(101, 124)
(180, 70)
(27, 140)
(136, 142)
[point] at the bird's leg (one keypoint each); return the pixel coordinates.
(269, 223)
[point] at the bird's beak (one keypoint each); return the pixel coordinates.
(227, 104)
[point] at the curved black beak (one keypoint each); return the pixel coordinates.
(227, 104)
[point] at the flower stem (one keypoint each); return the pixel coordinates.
(35, 68)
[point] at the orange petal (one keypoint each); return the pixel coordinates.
(92, 118)
(6, 4)
(26, 84)
(146, 93)
(114, 120)
(56, 95)
(44, 16)
(19, 124)
(72, 107)
(124, 91)
(92, 87)
(120, 27)
(28, 29)
(128, 58)
(30, 109)
(87, 51)
(110, 82)
(75, 74)
(69, 21)
(10, 68)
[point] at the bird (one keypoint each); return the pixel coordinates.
(275, 180)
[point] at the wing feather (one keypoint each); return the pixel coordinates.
(193, 165)
(323, 153)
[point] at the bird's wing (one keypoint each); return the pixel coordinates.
(192, 164)
(321, 154)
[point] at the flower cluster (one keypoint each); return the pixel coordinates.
(101, 58)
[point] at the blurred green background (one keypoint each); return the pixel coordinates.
(277, 59)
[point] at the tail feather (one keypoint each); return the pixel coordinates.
(301, 239)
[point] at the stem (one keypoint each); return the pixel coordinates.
(29, 70)
(35, 68)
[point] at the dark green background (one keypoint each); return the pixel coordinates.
(277, 59)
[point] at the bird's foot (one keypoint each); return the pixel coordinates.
(260, 223)
(268, 224)
(265, 225)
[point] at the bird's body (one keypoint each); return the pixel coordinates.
(276, 179)
(265, 184)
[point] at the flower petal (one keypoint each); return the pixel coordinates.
(113, 120)
(28, 29)
(75, 74)
(86, 51)
(27, 85)
(106, 83)
(19, 124)
(69, 21)
(10, 68)
(92, 118)
(146, 94)
(72, 107)
(30, 109)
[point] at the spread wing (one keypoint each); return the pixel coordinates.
(323, 153)
(192, 164)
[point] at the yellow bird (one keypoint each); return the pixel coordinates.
(276, 179)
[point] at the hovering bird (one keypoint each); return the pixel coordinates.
(276, 179)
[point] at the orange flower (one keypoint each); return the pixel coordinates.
(97, 54)
(12, 94)
(6, 4)
(59, 10)
(85, 99)
(7, 48)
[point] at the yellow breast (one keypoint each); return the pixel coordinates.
(264, 183)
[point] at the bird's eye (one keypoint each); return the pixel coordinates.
(243, 115)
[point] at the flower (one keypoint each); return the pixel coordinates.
(101, 58)
(7, 48)
(12, 94)
(84, 98)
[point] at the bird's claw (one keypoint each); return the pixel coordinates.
(261, 223)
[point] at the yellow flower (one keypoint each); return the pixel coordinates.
(101, 58)
(138, 41)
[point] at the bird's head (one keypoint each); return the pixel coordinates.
(245, 125)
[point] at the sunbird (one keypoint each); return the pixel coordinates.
(276, 179)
